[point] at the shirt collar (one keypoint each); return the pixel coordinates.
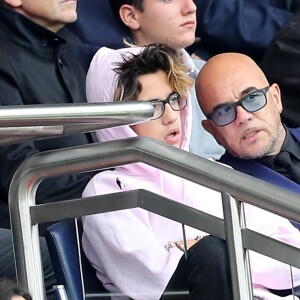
(26, 31)
(290, 145)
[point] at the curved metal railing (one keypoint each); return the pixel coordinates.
(25, 214)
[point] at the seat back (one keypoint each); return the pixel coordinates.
(71, 267)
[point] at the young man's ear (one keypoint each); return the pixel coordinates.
(13, 3)
(129, 17)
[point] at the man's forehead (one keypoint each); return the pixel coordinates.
(234, 82)
(234, 94)
(231, 69)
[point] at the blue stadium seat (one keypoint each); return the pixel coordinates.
(71, 267)
(73, 270)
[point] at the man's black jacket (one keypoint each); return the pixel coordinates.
(37, 67)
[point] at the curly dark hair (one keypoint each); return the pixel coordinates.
(151, 59)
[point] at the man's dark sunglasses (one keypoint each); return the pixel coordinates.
(252, 102)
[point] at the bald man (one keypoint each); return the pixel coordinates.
(243, 114)
(226, 79)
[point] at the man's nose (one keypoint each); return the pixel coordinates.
(242, 115)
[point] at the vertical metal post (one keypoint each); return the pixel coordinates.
(239, 263)
(26, 239)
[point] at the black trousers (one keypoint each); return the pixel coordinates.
(205, 272)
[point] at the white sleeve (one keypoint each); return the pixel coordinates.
(267, 271)
(122, 243)
(261, 293)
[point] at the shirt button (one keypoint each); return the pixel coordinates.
(60, 63)
(44, 42)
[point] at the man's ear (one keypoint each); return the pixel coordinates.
(211, 128)
(208, 126)
(128, 16)
(277, 96)
(13, 3)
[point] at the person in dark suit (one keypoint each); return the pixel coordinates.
(243, 114)
(37, 66)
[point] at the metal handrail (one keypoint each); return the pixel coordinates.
(25, 214)
(30, 122)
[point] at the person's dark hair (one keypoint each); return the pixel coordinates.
(151, 59)
(9, 288)
(116, 5)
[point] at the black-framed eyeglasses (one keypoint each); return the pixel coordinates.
(225, 114)
(175, 101)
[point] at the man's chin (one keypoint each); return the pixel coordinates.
(257, 153)
(248, 152)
